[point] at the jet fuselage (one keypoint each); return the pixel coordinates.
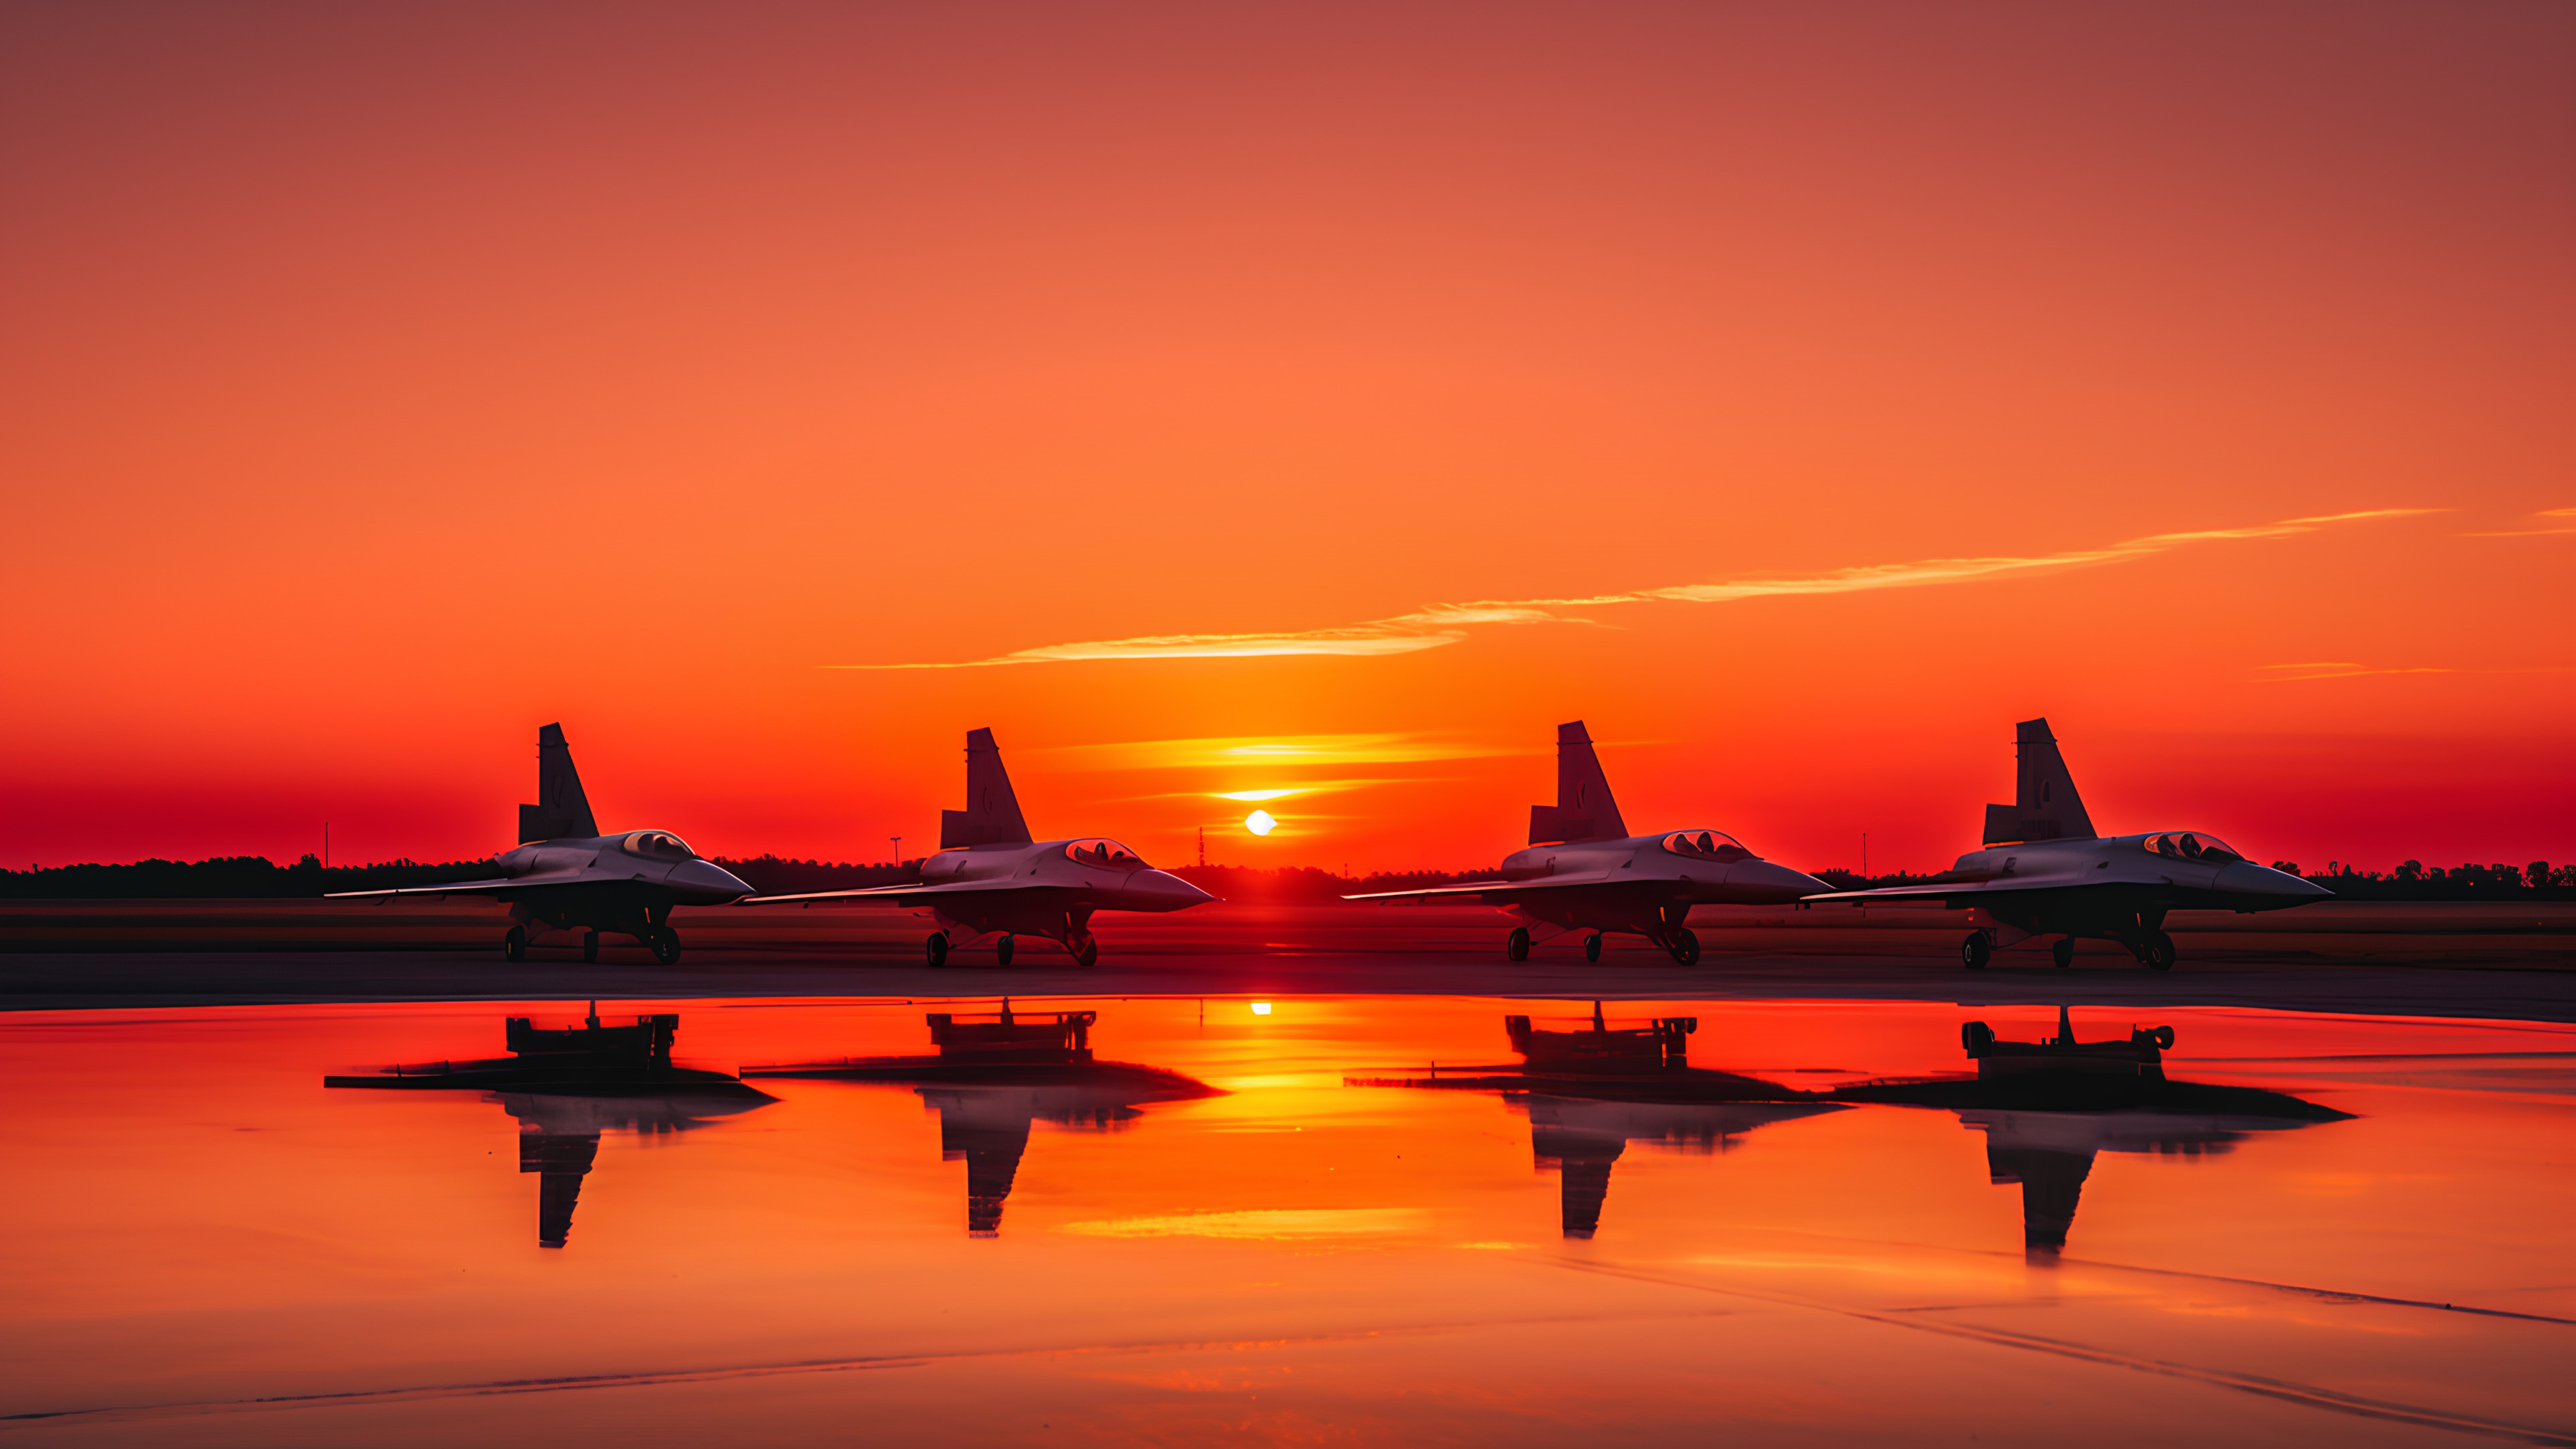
(1044, 888)
(1642, 883)
(2116, 885)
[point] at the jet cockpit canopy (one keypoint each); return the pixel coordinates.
(657, 845)
(2191, 845)
(1107, 854)
(1706, 845)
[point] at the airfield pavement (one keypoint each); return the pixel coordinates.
(2501, 961)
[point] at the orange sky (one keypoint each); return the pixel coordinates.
(381, 384)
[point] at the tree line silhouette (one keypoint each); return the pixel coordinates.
(256, 877)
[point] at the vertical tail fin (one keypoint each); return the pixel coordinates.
(992, 813)
(562, 811)
(1583, 808)
(2045, 805)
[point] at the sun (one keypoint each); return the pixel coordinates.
(1260, 822)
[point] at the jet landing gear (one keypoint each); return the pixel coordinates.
(1592, 947)
(514, 946)
(1977, 950)
(2155, 950)
(1002, 948)
(666, 945)
(2063, 953)
(936, 948)
(1683, 945)
(590, 946)
(1516, 945)
(1085, 949)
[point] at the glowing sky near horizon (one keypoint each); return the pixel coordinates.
(1326, 400)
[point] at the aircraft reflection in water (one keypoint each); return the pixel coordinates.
(1585, 872)
(1592, 1091)
(2046, 1108)
(996, 1073)
(567, 1087)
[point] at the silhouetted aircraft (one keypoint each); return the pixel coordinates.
(2047, 1107)
(2053, 876)
(566, 875)
(989, 879)
(1585, 872)
(567, 1087)
(992, 1077)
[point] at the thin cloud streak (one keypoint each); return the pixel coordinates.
(2569, 513)
(1436, 625)
(1257, 752)
(2347, 669)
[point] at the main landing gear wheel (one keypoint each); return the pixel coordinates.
(666, 945)
(514, 946)
(590, 945)
(936, 948)
(1002, 950)
(2157, 952)
(2064, 953)
(1516, 945)
(1685, 947)
(1976, 951)
(1592, 947)
(1088, 952)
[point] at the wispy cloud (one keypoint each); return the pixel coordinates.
(1435, 625)
(2347, 669)
(1251, 752)
(2566, 513)
(2335, 669)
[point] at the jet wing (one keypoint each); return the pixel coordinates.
(1489, 889)
(464, 887)
(1956, 888)
(1991, 885)
(898, 894)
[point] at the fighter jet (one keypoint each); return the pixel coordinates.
(1585, 872)
(2044, 872)
(990, 880)
(567, 876)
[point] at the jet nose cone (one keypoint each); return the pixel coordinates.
(2247, 878)
(704, 881)
(1159, 890)
(1778, 883)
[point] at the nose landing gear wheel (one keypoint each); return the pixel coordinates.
(2064, 952)
(1087, 952)
(2158, 954)
(514, 946)
(1592, 947)
(1516, 945)
(666, 945)
(1685, 947)
(1002, 949)
(590, 945)
(936, 948)
(1976, 951)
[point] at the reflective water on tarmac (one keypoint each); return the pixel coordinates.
(1252, 1234)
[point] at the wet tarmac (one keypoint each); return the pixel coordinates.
(1293, 1217)
(46, 981)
